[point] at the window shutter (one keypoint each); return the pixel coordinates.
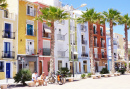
(35, 11)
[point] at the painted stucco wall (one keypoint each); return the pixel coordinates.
(13, 21)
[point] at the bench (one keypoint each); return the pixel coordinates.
(3, 86)
(96, 76)
(70, 79)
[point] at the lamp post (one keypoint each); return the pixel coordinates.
(22, 60)
(73, 36)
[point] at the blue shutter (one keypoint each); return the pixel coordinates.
(8, 29)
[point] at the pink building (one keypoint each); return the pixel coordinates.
(43, 44)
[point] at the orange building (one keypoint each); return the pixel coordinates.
(99, 46)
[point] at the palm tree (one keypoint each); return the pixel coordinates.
(3, 4)
(112, 16)
(125, 20)
(50, 15)
(90, 16)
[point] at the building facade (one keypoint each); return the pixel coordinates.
(44, 50)
(99, 46)
(27, 36)
(115, 46)
(8, 45)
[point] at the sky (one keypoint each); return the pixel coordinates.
(103, 5)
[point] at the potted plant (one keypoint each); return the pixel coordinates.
(89, 75)
(83, 76)
(122, 70)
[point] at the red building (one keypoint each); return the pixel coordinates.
(44, 45)
(99, 46)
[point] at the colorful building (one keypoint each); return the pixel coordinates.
(44, 51)
(115, 46)
(8, 45)
(99, 46)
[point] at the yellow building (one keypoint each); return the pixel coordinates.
(27, 35)
(120, 43)
(8, 45)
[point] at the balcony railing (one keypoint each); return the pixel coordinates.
(8, 54)
(46, 35)
(95, 32)
(8, 34)
(95, 55)
(103, 56)
(84, 41)
(30, 51)
(60, 37)
(102, 45)
(102, 34)
(46, 51)
(84, 55)
(74, 42)
(31, 32)
(83, 28)
(96, 45)
(61, 53)
(8, 15)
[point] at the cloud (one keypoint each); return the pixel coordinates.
(107, 28)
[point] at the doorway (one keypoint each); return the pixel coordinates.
(7, 70)
(40, 67)
(31, 66)
(96, 67)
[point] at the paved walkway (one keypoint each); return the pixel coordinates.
(119, 82)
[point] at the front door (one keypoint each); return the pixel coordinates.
(71, 67)
(40, 67)
(7, 33)
(7, 53)
(7, 70)
(31, 66)
(96, 67)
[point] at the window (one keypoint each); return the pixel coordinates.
(101, 31)
(59, 65)
(94, 29)
(46, 44)
(31, 10)
(1, 66)
(46, 31)
(30, 30)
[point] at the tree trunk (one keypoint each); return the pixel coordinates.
(52, 49)
(112, 56)
(126, 47)
(91, 49)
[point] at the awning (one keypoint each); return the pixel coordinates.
(47, 30)
(75, 52)
(122, 61)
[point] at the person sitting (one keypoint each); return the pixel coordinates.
(34, 78)
(43, 76)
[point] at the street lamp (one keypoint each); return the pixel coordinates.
(73, 37)
(22, 60)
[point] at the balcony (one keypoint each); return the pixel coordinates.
(96, 45)
(84, 42)
(60, 37)
(31, 32)
(30, 51)
(8, 34)
(8, 54)
(84, 55)
(95, 55)
(102, 45)
(61, 53)
(103, 56)
(95, 32)
(102, 34)
(46, 35)
(74, 42)
(83, 28)
(46, 51)
(8, 15)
